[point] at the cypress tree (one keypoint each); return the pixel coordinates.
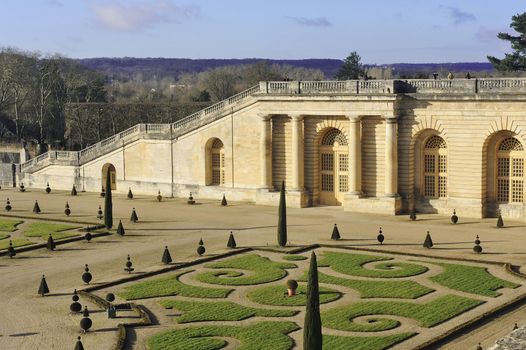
(108, 205)
(282, 219)
(231, 241)
(335, 233)
(43, 289)
(428, 242)
(312, 338)
(167, 258)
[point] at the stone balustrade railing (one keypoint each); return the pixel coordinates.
(218, 110)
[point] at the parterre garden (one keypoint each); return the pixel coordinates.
(23, 233)
(368, 300)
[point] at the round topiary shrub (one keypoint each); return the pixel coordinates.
(201, 250)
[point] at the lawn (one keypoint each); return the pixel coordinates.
(333, 342)
(199, 311)
(17, 242)
(294, 257)
(4, 235)
(262, 270)
(169, 286)
(277, 295)
(257, 336)
(352, 264)
(471, 279)
(44, 229)
(377, 289)
(7, 225)
(428, 315)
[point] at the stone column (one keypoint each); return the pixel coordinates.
(265, 155)
(355, 156)
(391, 157)
(297, 153)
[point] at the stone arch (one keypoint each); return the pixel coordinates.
(491, 147)
(421, 135)
(108, 167)
(333, 166)
(214, 162)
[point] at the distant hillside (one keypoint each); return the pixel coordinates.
(174, 67)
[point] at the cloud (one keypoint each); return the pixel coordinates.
(136, 16)
(458, 16)
(311, 22)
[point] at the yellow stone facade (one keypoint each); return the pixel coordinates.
(368, 146)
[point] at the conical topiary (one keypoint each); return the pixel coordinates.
(75, 305)
(120, 229)
(8, 206)
(134, 217)
(50, 245)
(191, 199)
(67, 210)
(48, 189)
(312, 337)
(129, 265)
(167, 258)
(223, 201)
(231, 241)
(159, 197)
(74, 191)
(335, 233)
(99, 213)
(500, 222)
(86, 276)
(380, 238)
(85, 323)
(108, 204)
(282, 217)
(43, 289)
(454, 217)
(130, 194)
(36, 208)
(10, 250)
(412, 215)
(428, 242)
(201, 248)
(78, 345)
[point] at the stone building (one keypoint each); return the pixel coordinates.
(381, 146)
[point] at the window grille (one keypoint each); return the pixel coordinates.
(510, 171)
(218, 163)
(435, 167)
(327, 182)
(332, 137)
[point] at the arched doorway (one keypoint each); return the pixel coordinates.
(108, 167)
(334, 167)
(215, 162)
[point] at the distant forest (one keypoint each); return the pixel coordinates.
(155, 68)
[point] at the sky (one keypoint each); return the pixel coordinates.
(381, 31)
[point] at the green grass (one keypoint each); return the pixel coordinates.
(377, 289)
(169, 286)
(4, 235)
(427, 315)
(277, 295)
(334, 342)
(257, 336)
(17, 242)
(7, 225)
(43, 229)
(471, 279)
(262, 270)
(294, 257)
(352, 264)
(199, 311)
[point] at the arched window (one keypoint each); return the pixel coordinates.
(510, 171)
(218, 163)
(435, 167)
